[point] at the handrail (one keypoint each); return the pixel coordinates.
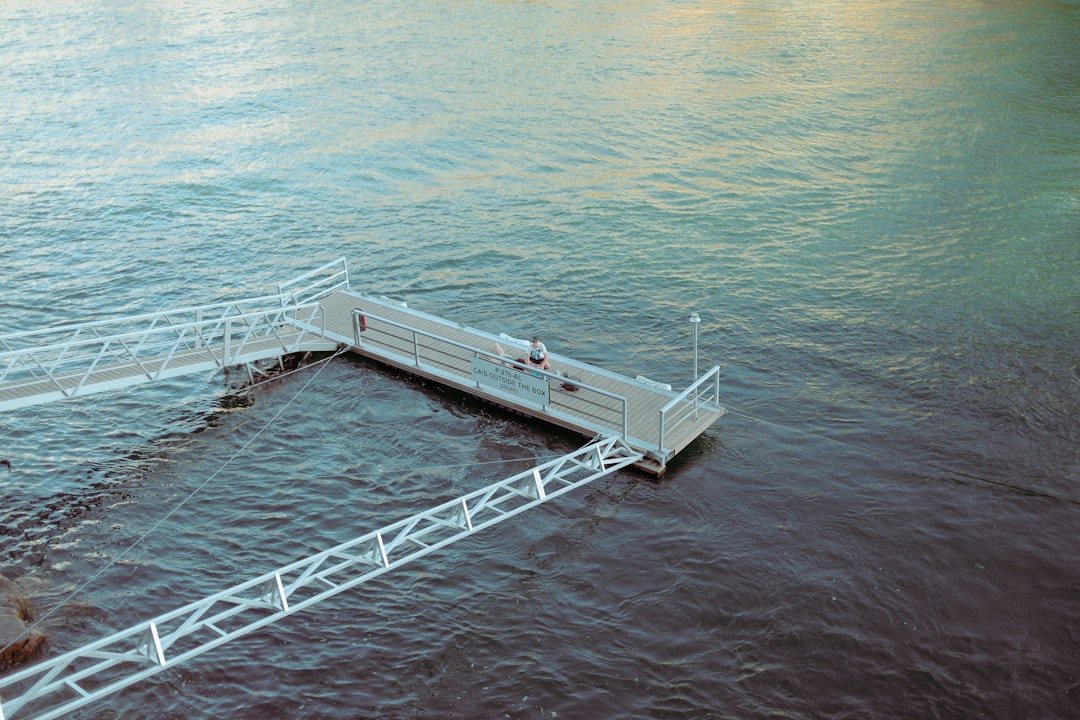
(82, 360)
(685, 409)
(484, 353)
(269, 300)
(213, 322)
(335, 281)
(57, 686)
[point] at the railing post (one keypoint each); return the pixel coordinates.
(359, 324)
(228, 343)
(660, 442)
(625, 421)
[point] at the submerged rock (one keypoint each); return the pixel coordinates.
(18, 643)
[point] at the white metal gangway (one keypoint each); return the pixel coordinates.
(62, 684)
(64, 361)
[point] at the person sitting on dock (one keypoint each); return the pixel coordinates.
(538, 354)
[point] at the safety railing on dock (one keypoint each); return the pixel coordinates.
(702, 396)
(316, 284)
(600, 408)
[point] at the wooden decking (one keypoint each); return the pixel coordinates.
(580, 397)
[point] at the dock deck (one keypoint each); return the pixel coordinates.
(574, 395)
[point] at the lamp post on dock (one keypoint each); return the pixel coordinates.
(696, 320)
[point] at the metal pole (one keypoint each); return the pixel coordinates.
(695, 320)
(227, 351)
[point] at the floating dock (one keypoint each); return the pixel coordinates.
(319, 311)
(574, 395)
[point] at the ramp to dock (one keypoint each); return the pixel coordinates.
(68, 361)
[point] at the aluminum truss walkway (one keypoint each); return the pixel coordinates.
(55, 687)
(66, 361)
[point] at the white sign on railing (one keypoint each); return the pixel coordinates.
(513, 380)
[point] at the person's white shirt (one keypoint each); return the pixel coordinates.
(538, 354)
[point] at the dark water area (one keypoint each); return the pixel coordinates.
(874, 207)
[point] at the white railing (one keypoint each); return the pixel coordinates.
(60, 334)
(73, 360)
(318, 283)
(448, 358)
(702, 396)
(78, 359)
(57, 686)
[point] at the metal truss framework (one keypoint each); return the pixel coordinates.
(65, 361)
(62, 684)
(96, 357)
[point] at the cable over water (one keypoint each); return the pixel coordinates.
(185, 500)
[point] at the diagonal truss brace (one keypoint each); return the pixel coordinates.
(55, 687)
